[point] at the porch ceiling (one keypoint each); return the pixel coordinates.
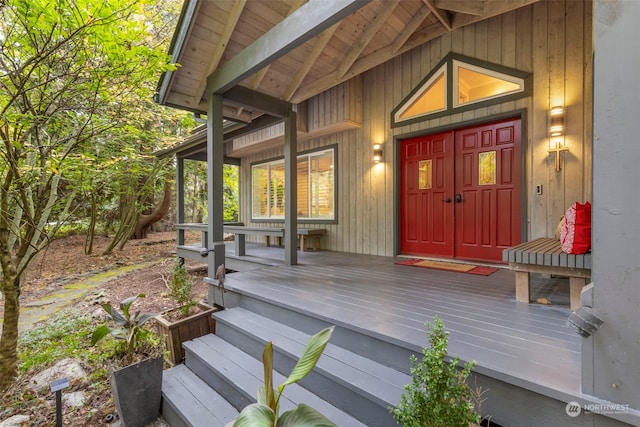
(308, 46)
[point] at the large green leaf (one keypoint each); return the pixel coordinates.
(310, 356)
(304, 416)
(256, 415)
(99, 333)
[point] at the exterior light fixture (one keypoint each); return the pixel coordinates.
(556, 128)
(556, 122)
(377, 153)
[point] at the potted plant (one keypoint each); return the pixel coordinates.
(188, 319)
(265, 413)
(136, 378)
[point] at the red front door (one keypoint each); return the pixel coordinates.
(426, 210)
(461, 192)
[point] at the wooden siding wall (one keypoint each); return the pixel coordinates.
(550, 39)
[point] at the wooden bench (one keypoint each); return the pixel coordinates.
(312, 236)
(241, 231)
(545, 255)
(308, 236)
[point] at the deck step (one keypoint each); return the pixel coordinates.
(356, 384)
(388, 350)
(237, 376)
(187, 401)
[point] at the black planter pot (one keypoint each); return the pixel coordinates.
(137, 391)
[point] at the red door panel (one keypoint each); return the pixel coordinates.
(487, 175)
(426, 216)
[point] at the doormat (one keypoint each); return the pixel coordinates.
(481, 270)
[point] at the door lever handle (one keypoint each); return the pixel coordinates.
(447, 200)
(458, 198)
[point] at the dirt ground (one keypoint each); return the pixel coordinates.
(64, 261)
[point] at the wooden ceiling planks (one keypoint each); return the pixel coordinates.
(370, 36)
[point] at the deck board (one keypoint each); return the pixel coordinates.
(528, 342)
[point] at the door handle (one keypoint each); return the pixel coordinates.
(458, 198)
(447, 200)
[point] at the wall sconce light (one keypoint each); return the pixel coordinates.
(556, 128)
(556, 122)
(377, 153)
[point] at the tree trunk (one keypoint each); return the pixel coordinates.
(145, 221)
(9, 341)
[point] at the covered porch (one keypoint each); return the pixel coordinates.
(526, 354)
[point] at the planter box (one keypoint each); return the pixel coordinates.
(175, 333)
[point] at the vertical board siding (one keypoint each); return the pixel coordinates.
(551, 39)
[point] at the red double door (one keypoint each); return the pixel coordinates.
(460, 194)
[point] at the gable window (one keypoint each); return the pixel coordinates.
(431, 98)
(473, 84)
(316, 187)
(459, 84)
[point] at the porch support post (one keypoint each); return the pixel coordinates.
(180, 198)
(215, 194)
(290, 190)
(611, 354)
(180, 190)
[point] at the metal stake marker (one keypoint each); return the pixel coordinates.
(56, 387)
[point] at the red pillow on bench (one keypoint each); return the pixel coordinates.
(575, 231)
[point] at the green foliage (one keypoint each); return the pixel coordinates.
(230, 178)
(179, 287)
(195, 191)
(265, 413)
(438, 395)
(130, 331)
(78, 127)
(66, 334)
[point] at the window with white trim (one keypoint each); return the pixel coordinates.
(316, 187)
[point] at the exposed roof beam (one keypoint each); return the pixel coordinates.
(309, 61)
(223, 41)
(254, 100)
(368, 62)
(439, 13)
(257, 79)
(379, 19)
(299, 27)
(470, 7)
(176, 100)
(409, 28)
(491, 8)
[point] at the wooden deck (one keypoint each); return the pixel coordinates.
(528, 345)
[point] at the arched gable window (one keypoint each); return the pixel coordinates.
(458, 84)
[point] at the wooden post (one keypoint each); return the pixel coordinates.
(523, 293)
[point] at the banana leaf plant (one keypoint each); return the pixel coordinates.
(131, 329)
(265, 413)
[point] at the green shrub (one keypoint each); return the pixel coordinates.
(180, 286)
(438, 395)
